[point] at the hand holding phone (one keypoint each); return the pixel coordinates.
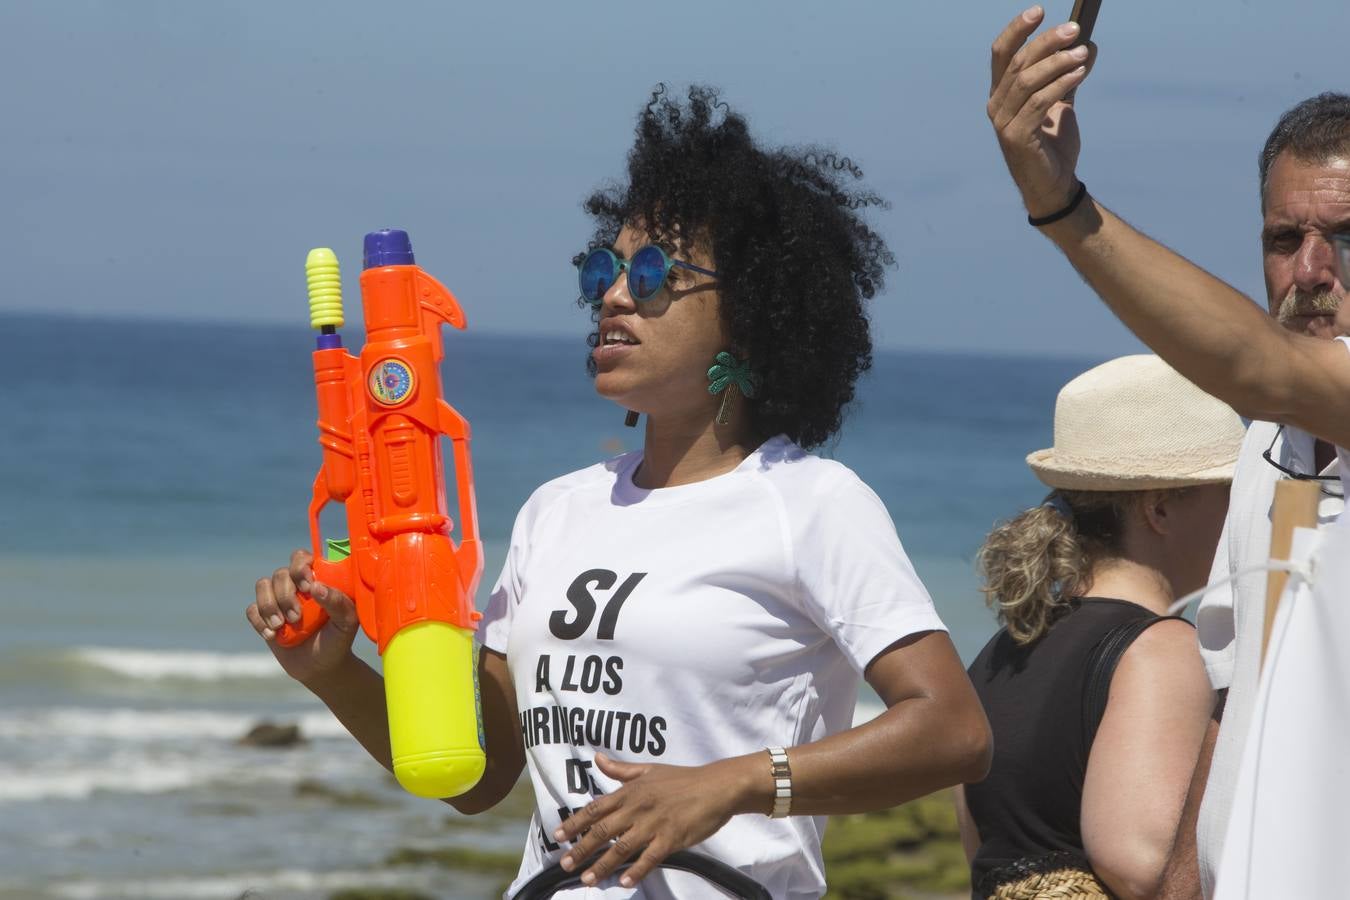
(1085, 14)
(1033, 79)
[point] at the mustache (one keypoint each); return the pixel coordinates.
(1301, 303)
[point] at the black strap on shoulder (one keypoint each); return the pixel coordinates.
(1101, 666)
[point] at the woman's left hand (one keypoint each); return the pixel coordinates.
(659, 809)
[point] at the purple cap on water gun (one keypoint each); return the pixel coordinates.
(387, 247)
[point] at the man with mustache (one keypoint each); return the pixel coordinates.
(1209, 333)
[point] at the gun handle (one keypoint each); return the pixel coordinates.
(339, 575)
(312, 618)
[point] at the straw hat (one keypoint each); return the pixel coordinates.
(1134, 424)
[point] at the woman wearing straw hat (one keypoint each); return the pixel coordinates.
(1098, 701)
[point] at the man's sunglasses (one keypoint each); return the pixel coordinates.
(1342, 245)
(1328, 484)
(647, 272)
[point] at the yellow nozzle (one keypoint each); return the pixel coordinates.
(325, 288)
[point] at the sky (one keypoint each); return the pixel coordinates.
(174, 159)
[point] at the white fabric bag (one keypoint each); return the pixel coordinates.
(1289, 829)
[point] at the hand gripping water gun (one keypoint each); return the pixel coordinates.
(380, 420)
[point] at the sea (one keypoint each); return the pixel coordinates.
(151, 471)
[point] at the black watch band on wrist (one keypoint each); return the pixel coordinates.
(1039, 221)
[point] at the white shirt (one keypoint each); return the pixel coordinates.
(696, 623)
(1343, 453)
(1288, 830)
(1230, 619)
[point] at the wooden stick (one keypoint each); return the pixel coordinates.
(1295, 507)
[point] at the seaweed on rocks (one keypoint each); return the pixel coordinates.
(911, 851)
(465, 859)
(313, 788)
(379, 894)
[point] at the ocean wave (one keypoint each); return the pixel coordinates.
(199, 887)
(241, 773)
(187, 665)
(140, 725)
(143, 776)
(74, 752)
(20, 785)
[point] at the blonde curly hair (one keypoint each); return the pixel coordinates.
(1034, 564)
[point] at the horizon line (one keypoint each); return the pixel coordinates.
(278, 324)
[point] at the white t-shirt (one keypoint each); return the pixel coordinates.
(1230, 619)
(691, 624)
(1343, 453)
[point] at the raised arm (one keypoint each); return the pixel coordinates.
(1211, 333)
(1208, 331)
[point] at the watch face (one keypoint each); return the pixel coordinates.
(391, 382)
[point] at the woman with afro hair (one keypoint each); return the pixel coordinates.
(675, 643)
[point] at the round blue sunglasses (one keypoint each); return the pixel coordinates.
(647, 272)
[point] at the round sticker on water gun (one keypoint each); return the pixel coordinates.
(391, 382)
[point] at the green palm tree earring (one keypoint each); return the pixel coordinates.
(726, 372)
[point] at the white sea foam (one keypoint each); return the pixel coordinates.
(229, 886)
(71, 753)
(24, 784)
(145, 726)
(158, 772)
(158, 665)
(159, 776)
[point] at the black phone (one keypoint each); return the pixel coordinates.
(1085, 14)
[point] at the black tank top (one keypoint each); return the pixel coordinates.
(1029, 804)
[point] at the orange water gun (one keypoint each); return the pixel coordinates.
(381, 416)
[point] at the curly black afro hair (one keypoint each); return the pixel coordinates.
(794, 258)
